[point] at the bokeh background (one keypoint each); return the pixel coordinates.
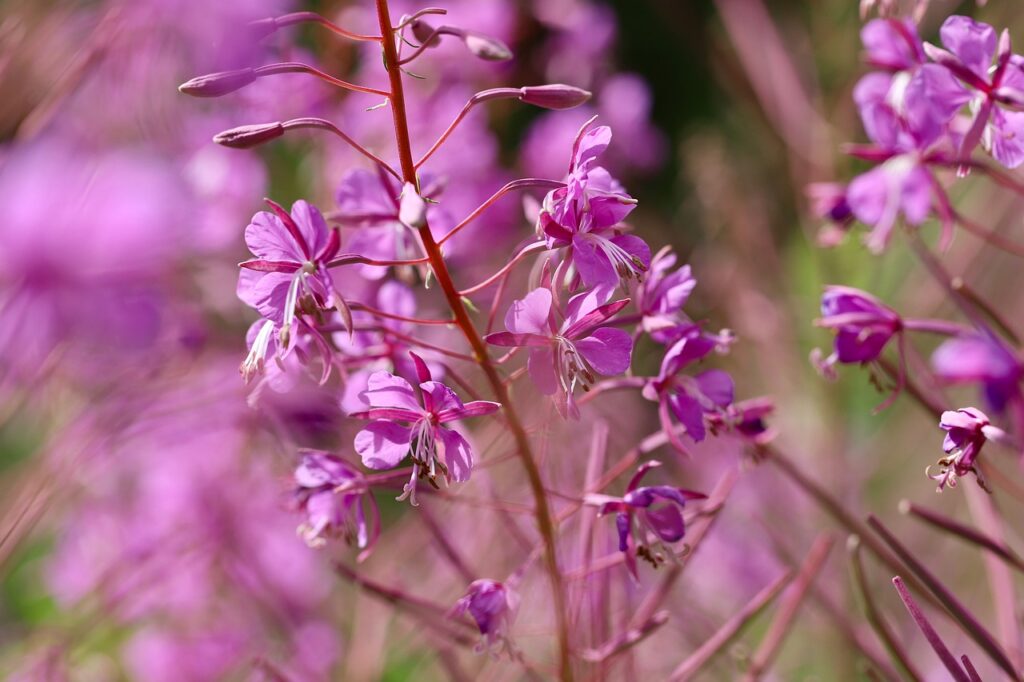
(144, 530)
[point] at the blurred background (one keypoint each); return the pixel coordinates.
(145, 532)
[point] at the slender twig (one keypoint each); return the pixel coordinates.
(324, 124)
(298, 67)
(929, 632)
(543, 514)
(874, 616)
(532, 247)
(303, 17)
(522, 183)
(962, 531)
(970, 624)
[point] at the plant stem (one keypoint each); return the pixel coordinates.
(440, 269)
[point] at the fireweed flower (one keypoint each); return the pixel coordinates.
(983, 359)
(492, 605)
(863, 327)
(690, 399)
(966, 429)
(565, 356)
(335, 499)
(662, 295)
(290, 271)
(996, 90)
(657, 510)
(581, 216)
(403, 424)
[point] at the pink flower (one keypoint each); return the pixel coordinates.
(967, 429)
(335, 499)
(568, 355)
(493, 606)
(582, 214)
(404, 424)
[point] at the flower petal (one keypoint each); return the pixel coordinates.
(383, 444)
(608, 350)
(529, 315)
(458, 456)
(384, 389)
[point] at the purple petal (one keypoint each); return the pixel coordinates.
(439, 398)
(509, 340)
(311, 224)
(666, 521)
(541, 366)
(476, 408)
(608, 350)
(592, 262)
(687, 350)
(972, 41)
(529, 315)
(383, 444)
(268, 239)
(457, 454)
(579, 320)
(589, 145)
(689, 413)
(892, 44)
(717, 385)
(384, 389)
(1006, 136)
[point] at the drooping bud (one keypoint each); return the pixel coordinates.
(485, 47)
(424, 32)
(554, 96)
(244, 137)
(217, 84)
(262, 28)
(412, 210)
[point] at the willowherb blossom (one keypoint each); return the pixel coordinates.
(582, 216)
(290, 271)
(690, 399)
(662, 295)
(404, 424)
(982, 359)
(657, 510)
(493, 606)
(995, 91)
(567, 355)
(863, 327)
(336, 501)
(967, 430)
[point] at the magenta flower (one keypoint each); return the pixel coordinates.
(998, 89)
(892, 44)
(404, 424)
(565, 356)
(290, 269)
(967, 429)
(335, 499)
(646, 509)
(983, 359)
(690, 399)
(662, 296)
(492, 605)
(582, 215)
(863, 326)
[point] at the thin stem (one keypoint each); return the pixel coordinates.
(313, 17)
(984, 306)
(874, 616)
(929, 632)
(356, 305)
(962, 531)
(427, 42)
(970, 624)
(322, 124)
(298, 67)
(990, 236)
(729, 630)
(543, 514)
(783, 620)
(523, 253)
(478, 98)
(510, 187)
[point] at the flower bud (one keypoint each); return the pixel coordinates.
(412, 210)
(554, 96)
(244, 137)
(422, 32)
(487, 48)
(217, 84)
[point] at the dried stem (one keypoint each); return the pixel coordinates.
(929, 632)
(962, 531)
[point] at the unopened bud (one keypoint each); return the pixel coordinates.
(554, 96)
(262, 28)
(244, 137)
(412, 210)
(217, 84)
(423, 32)
(487, 48)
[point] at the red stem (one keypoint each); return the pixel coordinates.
(440, 269)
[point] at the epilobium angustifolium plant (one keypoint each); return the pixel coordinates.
(487, 424)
